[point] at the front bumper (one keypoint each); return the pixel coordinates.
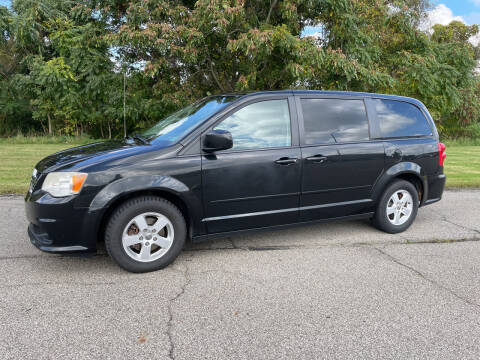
(43, 242)
(57, 225)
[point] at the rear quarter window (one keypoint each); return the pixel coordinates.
(400, 119)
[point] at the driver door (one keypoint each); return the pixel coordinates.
(256, 183)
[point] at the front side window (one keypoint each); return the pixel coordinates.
(264, 124)
(400, 119)
(328, 121)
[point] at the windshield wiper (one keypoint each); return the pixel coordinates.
(138, 137)
(141, 138)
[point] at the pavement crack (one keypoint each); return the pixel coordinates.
(422, 276)
(445, 219)
(170, 322)
(439, 241)
(405, 241)
(462, 226)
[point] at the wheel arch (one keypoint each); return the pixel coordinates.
(175, 199)
(171, 189)
(408, 171)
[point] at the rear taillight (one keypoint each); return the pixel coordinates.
(441, 153)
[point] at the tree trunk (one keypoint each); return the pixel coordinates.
(272, 5)
(49, 125)
(43, 127)
(109, 130)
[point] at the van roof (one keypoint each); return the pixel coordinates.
(326, 92)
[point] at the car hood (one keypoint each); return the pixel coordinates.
(89, 154)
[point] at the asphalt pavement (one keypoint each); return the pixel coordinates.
(340, 290)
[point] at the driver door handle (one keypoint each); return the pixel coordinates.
(286, 161)
(316, 158)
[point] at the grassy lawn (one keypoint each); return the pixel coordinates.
(17, 162)
(18, 158)
(462, 165)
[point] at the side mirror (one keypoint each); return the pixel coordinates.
(217, 140)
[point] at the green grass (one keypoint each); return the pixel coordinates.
(70, 140)
(462, 142)
(17, 162)
(462, 165)
(20, 154)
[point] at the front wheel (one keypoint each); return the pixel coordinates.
(397, 207)
(145, 234)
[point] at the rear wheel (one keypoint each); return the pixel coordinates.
(145, 234)
(397, 207)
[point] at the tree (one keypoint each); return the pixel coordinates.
(228, 45)
(453, 48)
(63, 61)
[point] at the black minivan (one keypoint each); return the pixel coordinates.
(239, 162)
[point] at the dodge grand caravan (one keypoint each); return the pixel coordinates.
(233, 163)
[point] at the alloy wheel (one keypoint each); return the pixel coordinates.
(399, 207)
(147, 237)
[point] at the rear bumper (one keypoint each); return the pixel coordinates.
(56, 225)
(436, 185)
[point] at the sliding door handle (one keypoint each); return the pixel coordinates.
(316, 158)
(286, 161)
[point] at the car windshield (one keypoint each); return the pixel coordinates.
(177, 125)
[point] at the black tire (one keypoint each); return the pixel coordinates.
(380, 219)
(125, 213)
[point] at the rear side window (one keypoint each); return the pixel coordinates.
(260, 125)
(400, 119)
(334, 120)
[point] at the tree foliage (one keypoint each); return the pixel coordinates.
(62, 62)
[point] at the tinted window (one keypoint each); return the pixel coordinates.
(398, 118)
(174, 127)
(330, 120)
(261, 125)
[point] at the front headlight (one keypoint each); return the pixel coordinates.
(60, 184)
